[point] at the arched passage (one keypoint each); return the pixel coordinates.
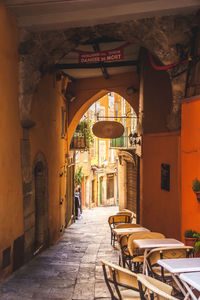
(87, 91)
(102, 169)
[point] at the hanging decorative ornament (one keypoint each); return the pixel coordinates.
(108, 129)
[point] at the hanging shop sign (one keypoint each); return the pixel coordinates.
(108, 129)
(101, 56)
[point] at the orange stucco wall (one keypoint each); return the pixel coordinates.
(45, 137)
(11, 205)
(161, 209)
(190, 156)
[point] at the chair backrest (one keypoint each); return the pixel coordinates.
(149, 285)
(127, 225)
(116, 276)
(127, 213)
(117, 219)
(123, 241)
(165, 253)
(125, 209)
(141, 235)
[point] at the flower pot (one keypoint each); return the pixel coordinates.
(190, 241)
(197, 254)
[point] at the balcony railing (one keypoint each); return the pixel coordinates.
(122, 142)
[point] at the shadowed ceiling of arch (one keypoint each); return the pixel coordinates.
(40, 51)
(158, 34)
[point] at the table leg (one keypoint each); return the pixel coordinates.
(145, 271)
(189, 291)
(179, 284)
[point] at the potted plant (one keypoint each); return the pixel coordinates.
(197, 244)
(190, 239)
(75, 140)
(196, 188)
(85, 128)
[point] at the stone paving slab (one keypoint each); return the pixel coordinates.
(70, 269)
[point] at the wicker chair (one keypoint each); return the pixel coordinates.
(125, 209)
(127, 213)
(136, 254)
(151, 288)
(125, 257)
(127, 225)
(115, 220)
(122, 283)
(154, 255)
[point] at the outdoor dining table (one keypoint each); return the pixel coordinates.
(121, 231)
(190, 281)
(181, 265)
(148, 244)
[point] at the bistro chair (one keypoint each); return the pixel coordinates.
(127, 213)
(122, 283)
(125, 209)
(127, 225)
(115, 220)
(138, 254)
(151, 288)
(124, 257)
(155, 254)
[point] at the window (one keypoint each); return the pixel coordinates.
(101, 113)
(111, 107)
(62, 122)
(77, 156)
(110, 185)
(111, 156)
(102, 151)
(85, 156)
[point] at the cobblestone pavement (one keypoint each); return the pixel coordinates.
(70, 269)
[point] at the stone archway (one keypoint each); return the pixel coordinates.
(41, 202)
(39, 51)
(85, 98)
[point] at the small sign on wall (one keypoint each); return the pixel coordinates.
(165, 177)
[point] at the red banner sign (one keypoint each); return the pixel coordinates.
(103, 56)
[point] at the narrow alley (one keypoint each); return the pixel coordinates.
(70, 269)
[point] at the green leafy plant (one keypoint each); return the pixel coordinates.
(189, 233)
(197, 243)
(84, 128)
(78, 177)
(196, 185)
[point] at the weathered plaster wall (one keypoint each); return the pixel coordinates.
(160, 35)
(45, 137)
(11, 205)
(157, 97)
(190, 157)
(161, 210)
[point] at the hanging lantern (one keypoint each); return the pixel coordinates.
(108, 129)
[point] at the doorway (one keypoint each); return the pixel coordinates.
(41, 205)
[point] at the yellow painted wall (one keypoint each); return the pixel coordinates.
(45, 137)
(11, 205)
